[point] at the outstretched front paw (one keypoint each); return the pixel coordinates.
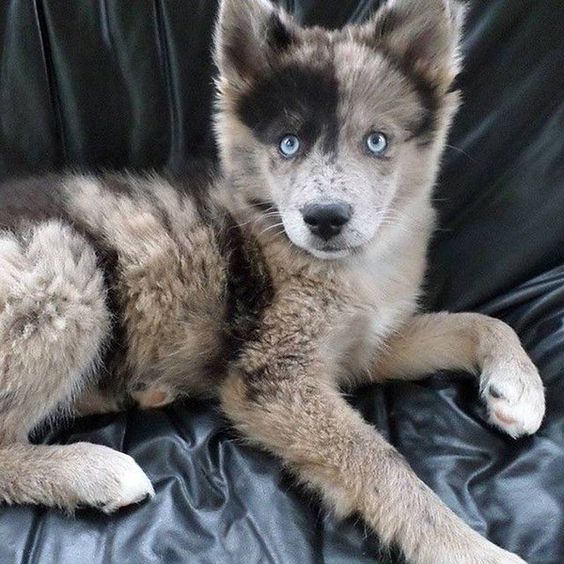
(514, 395)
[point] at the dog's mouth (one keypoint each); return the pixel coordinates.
(332, 253)
(335, 250)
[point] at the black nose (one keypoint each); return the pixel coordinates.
(327, 220)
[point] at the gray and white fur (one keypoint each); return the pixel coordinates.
(293, 274)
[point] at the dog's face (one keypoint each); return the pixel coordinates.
(329, 135)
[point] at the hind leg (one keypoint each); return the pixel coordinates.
(53, 323)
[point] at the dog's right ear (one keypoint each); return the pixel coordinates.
(248, 36)
(423, 34)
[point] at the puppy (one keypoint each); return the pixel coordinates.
(292, 274)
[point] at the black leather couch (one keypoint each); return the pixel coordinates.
(104, 84)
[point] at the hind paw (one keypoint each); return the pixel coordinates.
(105, 479)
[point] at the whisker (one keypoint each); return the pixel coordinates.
(462, 152)
(275, 226)
(261, 217)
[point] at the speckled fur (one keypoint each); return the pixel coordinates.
(118, 290)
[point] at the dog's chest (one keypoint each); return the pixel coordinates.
(378, 299)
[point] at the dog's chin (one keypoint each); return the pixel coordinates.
(339, 248)
(331, 254)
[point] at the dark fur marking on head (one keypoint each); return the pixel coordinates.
(279, 37)
(294, 99)
(425, 128)
(241, 50)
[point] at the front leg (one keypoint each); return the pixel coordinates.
(510, 384)
(288, 407)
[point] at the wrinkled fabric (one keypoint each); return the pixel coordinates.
(103, 85)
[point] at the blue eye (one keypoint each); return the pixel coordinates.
(289, 146)
(377, 143)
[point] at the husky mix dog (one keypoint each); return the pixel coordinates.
(293, 275)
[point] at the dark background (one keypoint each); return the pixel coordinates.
(107, 85)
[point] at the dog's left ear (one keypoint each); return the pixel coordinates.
(249, 35)
(422, 34)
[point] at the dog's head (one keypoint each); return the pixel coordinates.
(329, 135)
